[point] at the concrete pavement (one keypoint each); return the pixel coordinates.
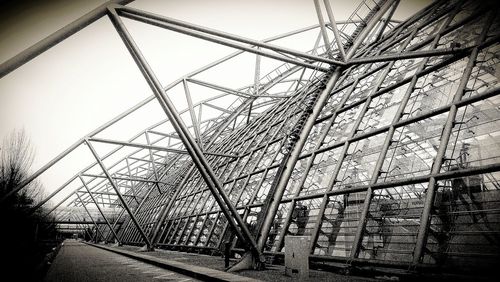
(80, 262)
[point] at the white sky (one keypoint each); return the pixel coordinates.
(90, 77)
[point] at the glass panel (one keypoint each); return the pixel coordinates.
(357, 167)
(413, 149)
(209, 223)
(393, 223)
(296, 178)
(466, 223)
(382, 110)
(319, 176)
(339, 225)
(265, 186)
(341, 127)
(277, 228)
(217, 231)
(475, 139)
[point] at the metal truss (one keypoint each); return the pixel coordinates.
(381, 145)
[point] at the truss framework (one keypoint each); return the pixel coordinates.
(383, 145)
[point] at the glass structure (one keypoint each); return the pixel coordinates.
(389, 157)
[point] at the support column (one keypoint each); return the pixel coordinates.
(387, 142)
(95, 224)
(194, 121)
(336, 33)
(166, 208)
(311, 119)
(122, 200)
(387, 20)
(117, 220)
(322, 26)
(193, 149)
(153, 164)
(440, 155)
(141, 203)
(99, 208)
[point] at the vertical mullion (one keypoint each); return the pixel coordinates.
(445, 136)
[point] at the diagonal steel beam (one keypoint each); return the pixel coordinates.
(153, 147)
(207, 37)
(122, 200)
(408, 55)
(336, 33)
(137, 145)
(322, 27)
(128, 12)
(232, 91)
(194, 121)
(386, 20)
(95, 224)
(56, 37)
(99, 208)
(195, 152)
(153, 164)
(124, 178)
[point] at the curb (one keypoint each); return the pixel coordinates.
(198, 272)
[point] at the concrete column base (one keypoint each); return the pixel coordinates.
(248, 261)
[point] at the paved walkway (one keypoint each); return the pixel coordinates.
(80, 262)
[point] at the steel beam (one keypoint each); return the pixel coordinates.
(194, 121)
(387, 20)
(195, 152)
(369, 26)
(128, 11)
(122, 200)
(124, 178)
(443, 144)
(407, 55)
(93, 221)
(56, 37)
(232, 91)
(153, 164)
(217, 40)
(99, 208)
(72, 148)
(322, 26)
(336, 33)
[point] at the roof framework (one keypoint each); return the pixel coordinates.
(381, 144)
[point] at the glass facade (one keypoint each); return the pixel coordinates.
(392, 158)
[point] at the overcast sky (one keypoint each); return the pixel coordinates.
(89, 78)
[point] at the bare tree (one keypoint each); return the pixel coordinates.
(16, 159)
(24, 236)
